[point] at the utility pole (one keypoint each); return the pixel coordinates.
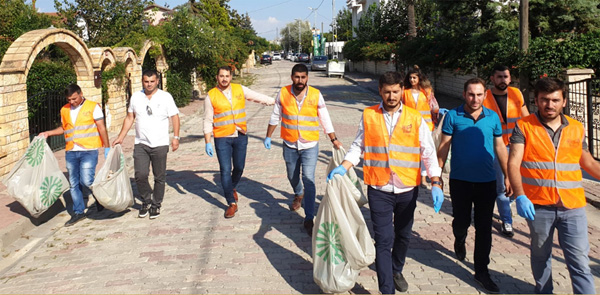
(524, 46)
(288, 38)
(299, 36)
(314, 10)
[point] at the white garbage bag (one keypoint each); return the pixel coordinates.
(36, 180)
(357, 189)
(112, 187)
(341, 242)
(437, 138)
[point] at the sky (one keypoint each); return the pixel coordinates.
(268, 16)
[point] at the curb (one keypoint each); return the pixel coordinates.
(351, 80)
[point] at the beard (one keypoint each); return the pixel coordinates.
(501, 87)
(299, 87)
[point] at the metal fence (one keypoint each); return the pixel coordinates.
(583, 104)
(44, 114)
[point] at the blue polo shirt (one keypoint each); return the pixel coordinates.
(472, 144)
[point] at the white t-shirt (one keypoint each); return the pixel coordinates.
(98, 115)
(152, 129)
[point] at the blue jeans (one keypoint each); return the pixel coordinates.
(307, 161)
(392, 216)
(81, 166)
(231, 150)
(502, 201)
(573, 239)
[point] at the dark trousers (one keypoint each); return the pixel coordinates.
(231, 150)
(392, 217)
(481, 197)
(143, 157)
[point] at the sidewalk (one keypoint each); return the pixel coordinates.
(370, 82)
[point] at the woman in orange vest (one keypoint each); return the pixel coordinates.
(418, 95)
(548, 150)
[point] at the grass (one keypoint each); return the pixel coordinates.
(247, 80)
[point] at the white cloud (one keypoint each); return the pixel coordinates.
(266, 28)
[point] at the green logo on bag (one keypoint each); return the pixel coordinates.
(51, 189)
(35, 153)
(328, 243)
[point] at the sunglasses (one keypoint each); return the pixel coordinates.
(148, 110)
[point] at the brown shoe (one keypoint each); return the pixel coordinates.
(297, 203)
(230, 212)
(235, 196)
(308, 226)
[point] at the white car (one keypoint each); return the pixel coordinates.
(276, 56)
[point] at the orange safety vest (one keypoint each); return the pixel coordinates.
(401, 153)
(422, 105)
(514, 103)
(228, 115)
(550, 174)
(303, 123)
(84, 132)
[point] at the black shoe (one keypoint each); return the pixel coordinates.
(400, 283)
(507, 230)
(486, 283)
(154, 212)
(308, 226)
(99, 207)
(143, 211)
(460, 250)
(77, 217)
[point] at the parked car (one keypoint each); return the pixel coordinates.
(303, 57)
(276, 56)
(295, 57)
(319, 63)
(266, 59)
(288, 56)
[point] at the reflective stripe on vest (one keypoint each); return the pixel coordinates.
(299, 124)
(84, 132)
(228, 115)
(400, 154)
(422, 105)
(514, 103)
(551, 175)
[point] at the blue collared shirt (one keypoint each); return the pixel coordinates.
(472, 144)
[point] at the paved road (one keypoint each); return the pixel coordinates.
(191, 248)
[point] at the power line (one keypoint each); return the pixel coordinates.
(271, 6)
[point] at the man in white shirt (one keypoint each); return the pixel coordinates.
(300, 107)
(151, 110)
(225, 117)
(85, 132)
(392, 171)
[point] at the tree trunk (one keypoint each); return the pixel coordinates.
(412, 25)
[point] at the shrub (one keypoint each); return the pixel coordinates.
(178, 84)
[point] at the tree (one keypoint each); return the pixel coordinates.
(215, 12)
(289, 35)
(550, 17)
(107, 21)
(343, 25)
(18, 18)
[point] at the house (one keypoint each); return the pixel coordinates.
(357, 7)
(157, 14)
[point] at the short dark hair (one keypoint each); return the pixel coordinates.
(226, 68)
(72, 88)
(550, 85)
(474, 81)
(499, 68)
(299, 68)
(390, 78)
(150, 73)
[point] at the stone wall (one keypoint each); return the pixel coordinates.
(372, 67)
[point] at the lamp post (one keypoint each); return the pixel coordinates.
(314, 10)
(299, 38)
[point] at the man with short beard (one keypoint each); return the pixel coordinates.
(509, 105)
(548, 150)
(225, 118)
(300, 107)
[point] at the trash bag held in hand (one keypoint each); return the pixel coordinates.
(36, 181)
(112, 187)
(341, 242)
(337, 156)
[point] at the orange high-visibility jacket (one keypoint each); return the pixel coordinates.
(228, 115)
(514, 103)
(84, 132)
(422, 105)
(549, 174)
(303, 123)
(400, 154)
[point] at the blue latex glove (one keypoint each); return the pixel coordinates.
(525, 207)
(341, 170)
(209, 149)
(438, 198)
(106, 150)
(267, 143)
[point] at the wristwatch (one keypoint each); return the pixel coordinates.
(177, 137)
(333, 139)
(437, 182)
